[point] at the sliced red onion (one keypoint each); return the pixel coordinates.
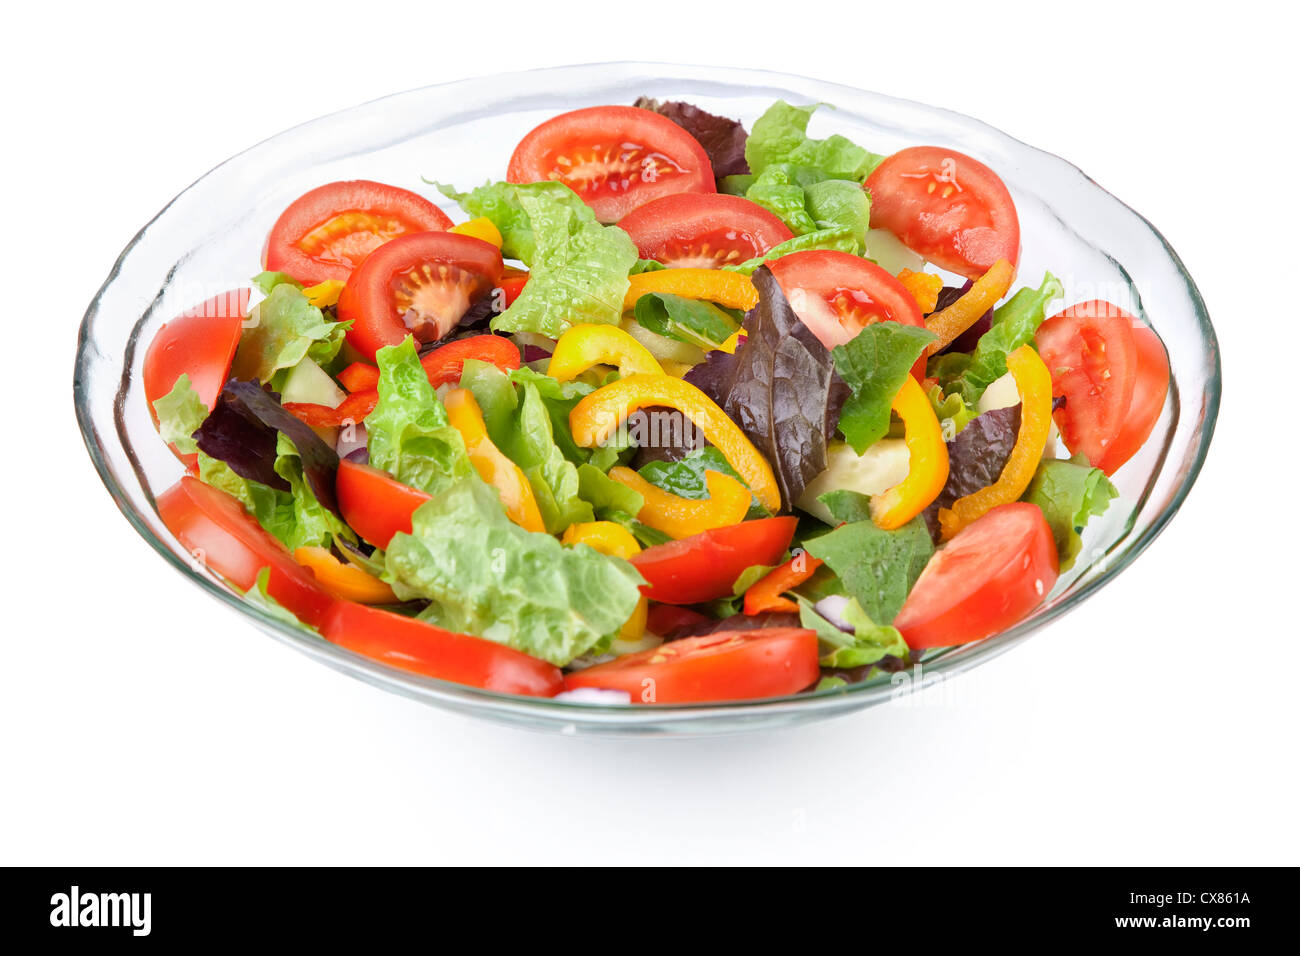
(832, 608)
(350, 441)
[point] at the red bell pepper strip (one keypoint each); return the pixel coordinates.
(765, 594)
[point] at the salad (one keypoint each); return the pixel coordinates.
(678, 412)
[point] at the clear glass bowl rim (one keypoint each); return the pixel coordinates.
(553, 714)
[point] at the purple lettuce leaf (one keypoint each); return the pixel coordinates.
(722, 138)
(976, 458)
(780, 387)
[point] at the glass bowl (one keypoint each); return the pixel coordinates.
(208, 240)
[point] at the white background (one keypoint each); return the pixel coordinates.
(142, 723)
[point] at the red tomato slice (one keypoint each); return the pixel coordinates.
(200, 343)
(615, 157)
(946, 207)
(990, 575)
(418, 285)
(1149, 391)
(374, 504)
(705, 566)
(729, 665)
(837, 294)
(221, 535)
(1092, 354)
(329, 231)
(412, 645)
(703, 230)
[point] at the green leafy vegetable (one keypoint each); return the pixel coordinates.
(838, 240)
(530, 445)
(408, 434)
(608, 498)
(685, 477)
(487, 576)
(847, 506)
(870, 642)
(1014, 325)
(953, 412)
(1069, 493)
(693, 321)
(781, 136)
(282, 330)
(876, 567)
(579, 268)
(874, 364)
(180, 413)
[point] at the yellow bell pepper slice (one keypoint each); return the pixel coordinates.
(924, 288)
(679, 517)
(732, 343)
(983, 294)
(584, 346)
(732, 289)
(595, 418)
(617, 542)
(1034, 383)
(324, 293)
(493, 466)
(927, 461)
(480, 228)
(676, 369)
(342, 580)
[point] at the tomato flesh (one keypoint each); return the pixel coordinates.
(1149, 391)
(729, 665)
(200, 343)
(374, 504)
(329, 231)
(947, 207)
(989, 576)
(421, 648)
(615, 157)
(705, 566)
(1092, 353)
(221, 535)
(420, 285)
(703, 230)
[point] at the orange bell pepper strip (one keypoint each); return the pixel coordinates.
(965, 312)
(732, 289)
(679, 517)
(766, 594)
(1034, 383)
(927, 461)
(584, 346)
(617, 542)
(595, 418)
(493, 466)
(924, 287)
(343, 580)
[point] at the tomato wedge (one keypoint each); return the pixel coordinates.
(1149, 391)
(418, 285)
(412, 645)
(705, 566)
(703, 230)
(990, 575)
(837, 294)
(729, 665)
(200, 343)
(329, 231)
(1092, 353)
(946, 207)
(615, 157)
(221, 535)
(375, 505)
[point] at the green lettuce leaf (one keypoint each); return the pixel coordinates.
(1014, 325)
(692, 321)
(282, 330)
(489, 577)
(408, 434)
(953, 412)
(781, 136)
(609, 499)
(685, 477)
(1069, 493)
(530, 445)
(876, 567)
(839, 240)
(874, 364)
(579, 268)
(180, 413)
(869, 642)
